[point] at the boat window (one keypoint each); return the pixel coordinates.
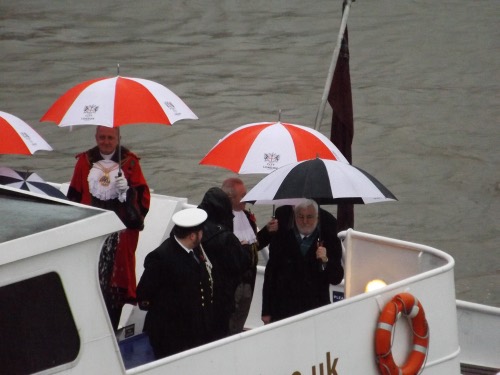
(37, 327)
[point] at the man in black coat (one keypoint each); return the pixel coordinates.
(176, 288)
(304, 259)
(230, 260)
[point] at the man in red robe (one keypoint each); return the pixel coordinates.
(98, 180)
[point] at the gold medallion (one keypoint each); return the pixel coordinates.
(104, 180)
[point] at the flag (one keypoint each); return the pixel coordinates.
(342, 130)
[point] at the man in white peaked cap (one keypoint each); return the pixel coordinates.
(176, 288)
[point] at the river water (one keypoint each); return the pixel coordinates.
(425, 80)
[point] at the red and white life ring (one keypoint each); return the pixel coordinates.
(407, 305)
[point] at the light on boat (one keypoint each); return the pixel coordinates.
(374, 285)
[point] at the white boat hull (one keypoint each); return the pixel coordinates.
(335, 339)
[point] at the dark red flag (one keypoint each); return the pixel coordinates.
(342, 131)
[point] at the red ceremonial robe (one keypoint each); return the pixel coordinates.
(131, 212)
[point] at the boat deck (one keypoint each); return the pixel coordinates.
(136, 351)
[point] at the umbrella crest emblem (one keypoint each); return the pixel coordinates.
(171, 106)
(89, 111)
(28, 138)
(271, 159)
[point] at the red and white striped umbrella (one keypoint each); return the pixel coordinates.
(266, 146)
(17, 137)
(118, 101)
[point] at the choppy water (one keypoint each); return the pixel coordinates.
(425, 89)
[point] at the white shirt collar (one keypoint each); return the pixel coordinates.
(107, 157)
(242, 228)
(184, 247)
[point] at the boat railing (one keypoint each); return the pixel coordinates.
(477, 325)
(369, 257)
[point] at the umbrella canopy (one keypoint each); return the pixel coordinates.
(17, 137)
(29, 181)
(266, 146)
(118, 101)
(325, 181)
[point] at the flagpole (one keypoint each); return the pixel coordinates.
(336, 51)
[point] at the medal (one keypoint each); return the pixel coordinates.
(104, 180)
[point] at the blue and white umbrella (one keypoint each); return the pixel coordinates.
(325, 181)
(29, 181)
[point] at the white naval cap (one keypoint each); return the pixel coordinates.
(190, 217)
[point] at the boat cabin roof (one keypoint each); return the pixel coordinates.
(34, 224)
(25, 214)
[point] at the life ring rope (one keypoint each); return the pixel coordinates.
(403, 304)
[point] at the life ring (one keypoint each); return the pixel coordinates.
(409, 306)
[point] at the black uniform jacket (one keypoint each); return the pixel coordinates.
(177, 292)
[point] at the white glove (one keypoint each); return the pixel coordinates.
(121, 185)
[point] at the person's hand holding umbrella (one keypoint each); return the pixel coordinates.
(121, 185)
(272, 225)
(321, 254)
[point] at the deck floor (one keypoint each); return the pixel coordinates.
(136, 351)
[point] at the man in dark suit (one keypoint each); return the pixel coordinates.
(304, 258)
(176, 288)
(229, 258)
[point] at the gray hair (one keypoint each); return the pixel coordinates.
(305, 203)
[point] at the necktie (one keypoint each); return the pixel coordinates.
(199, 254)
(193, 255)
(304, 245)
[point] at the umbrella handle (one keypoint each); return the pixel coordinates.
(119, 149)
(119, 136)
(322, 265)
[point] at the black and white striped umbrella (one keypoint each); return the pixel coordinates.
(29, 181)
(325, 181)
